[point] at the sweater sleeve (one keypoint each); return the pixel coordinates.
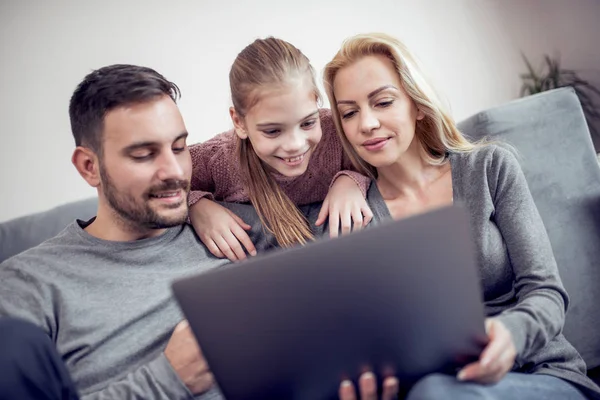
(539, 313)
(363, 182)
(348, 168)
(155, 380)
(216, 171)
(202, 183)
(25, 297)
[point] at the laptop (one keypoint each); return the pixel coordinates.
(402, 299)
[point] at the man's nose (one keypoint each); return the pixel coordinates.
(171, 167)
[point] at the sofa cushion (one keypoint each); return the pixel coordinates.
(22, 233)
(555, 151)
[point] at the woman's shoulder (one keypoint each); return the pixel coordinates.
(489, 166)
(487, 156)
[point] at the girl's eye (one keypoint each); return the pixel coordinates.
(349, 114)
(272, 132)
(178, 149)
(309, 124)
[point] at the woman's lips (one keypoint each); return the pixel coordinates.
(375, 144)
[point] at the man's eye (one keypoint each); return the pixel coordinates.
(141, 157)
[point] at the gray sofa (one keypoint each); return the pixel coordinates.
(557, 156)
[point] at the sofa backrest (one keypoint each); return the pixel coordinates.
(19, 234)
(550, 134)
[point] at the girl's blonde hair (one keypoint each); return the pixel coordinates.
(436, 132)
(263, 64)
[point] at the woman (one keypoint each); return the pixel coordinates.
(396, 130)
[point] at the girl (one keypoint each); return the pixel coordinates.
(283, 152)
(396, 130)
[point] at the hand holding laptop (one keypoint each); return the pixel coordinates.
(187, 360)
(367, 388)
(495, 361)
(497, 358)
(296, 314)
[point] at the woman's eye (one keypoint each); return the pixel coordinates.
(178, 149)
(385, 103)
(348, 114)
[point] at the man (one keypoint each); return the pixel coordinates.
(89, 314)
(100, 290)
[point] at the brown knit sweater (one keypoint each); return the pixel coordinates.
(216, 169)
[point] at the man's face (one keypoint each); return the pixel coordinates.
(145, 167)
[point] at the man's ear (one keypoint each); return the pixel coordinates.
(87, 164)
(238, 123)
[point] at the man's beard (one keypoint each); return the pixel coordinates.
(138, 213)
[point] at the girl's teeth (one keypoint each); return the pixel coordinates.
(294, 159)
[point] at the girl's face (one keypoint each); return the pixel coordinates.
(283, 127)
(378, 116)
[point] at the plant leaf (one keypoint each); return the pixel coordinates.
(532, 72)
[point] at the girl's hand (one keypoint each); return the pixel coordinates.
(344, 204)
(221, 230)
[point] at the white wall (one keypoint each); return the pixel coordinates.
(470, 48)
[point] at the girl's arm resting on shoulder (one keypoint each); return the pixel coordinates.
(363, 182)
(202, 184)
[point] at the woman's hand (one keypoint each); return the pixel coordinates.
(496, 360)
(367, 388)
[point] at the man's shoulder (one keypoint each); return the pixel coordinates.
(262, 238)
(187, 243)
(51, 251)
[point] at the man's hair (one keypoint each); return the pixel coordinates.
(108, 88)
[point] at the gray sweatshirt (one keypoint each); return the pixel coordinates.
(519, 276)
(108, 305)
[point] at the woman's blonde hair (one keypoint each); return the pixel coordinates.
(263, 64)
(436, 132)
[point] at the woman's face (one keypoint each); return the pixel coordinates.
(377, 115)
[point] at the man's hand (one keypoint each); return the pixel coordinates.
(187, 360)
(367, 387)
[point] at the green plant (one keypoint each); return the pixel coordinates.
(552, 76)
